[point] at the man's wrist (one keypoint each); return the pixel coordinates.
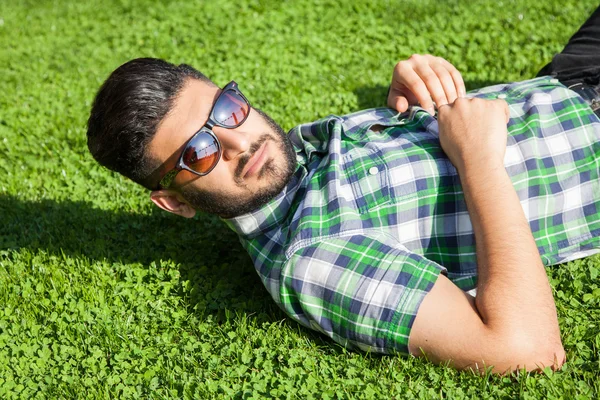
(479, 167)
(476, 179)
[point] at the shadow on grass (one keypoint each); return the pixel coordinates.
(376, 96)
(78, 230)
(207, 253)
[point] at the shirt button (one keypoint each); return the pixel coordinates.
(502, 96)
(554, 80)
(373, 170)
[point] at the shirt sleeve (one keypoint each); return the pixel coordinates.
(360, 291)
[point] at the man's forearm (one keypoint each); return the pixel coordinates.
(514, 297)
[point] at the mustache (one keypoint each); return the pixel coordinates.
(245, 158)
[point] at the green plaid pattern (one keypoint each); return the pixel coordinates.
(375, 211)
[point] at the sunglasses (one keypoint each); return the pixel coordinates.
(202, 152)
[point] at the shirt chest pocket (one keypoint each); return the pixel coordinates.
(375, 182)
(368, 176)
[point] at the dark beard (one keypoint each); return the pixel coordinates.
(229, 207)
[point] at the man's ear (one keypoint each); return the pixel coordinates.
(172, 202)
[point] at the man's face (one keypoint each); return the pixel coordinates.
(257, 157)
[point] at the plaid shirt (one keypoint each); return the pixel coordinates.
(375, 211)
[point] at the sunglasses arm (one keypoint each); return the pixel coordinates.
(166, 181)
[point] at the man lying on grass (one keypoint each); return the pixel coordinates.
(389, 230)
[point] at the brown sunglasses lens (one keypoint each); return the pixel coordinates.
(231, 109)
(201, 153)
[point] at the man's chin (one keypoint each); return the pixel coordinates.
(229, 206)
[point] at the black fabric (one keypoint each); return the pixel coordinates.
(577, 66)
(579, 61)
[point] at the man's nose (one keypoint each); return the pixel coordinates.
(233, 143)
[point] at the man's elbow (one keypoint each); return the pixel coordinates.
(523, 352)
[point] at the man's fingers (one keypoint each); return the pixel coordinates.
(434, 86)
(459, 83)
(415, 84)
(398, 102)
(447, 82)
(425, 79)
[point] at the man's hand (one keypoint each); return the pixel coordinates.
(474, 131)
(424, 79)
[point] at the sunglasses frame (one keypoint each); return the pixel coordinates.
(169, 177)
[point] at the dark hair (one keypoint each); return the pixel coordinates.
(127, 111)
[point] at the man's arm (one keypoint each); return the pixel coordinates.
(512, 323)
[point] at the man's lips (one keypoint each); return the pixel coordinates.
(256, 161)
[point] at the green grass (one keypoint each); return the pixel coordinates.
(103, 296)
